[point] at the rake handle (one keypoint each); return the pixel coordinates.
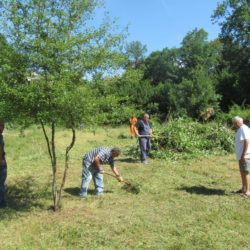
(116, 178)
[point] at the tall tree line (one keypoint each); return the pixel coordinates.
(178, 81)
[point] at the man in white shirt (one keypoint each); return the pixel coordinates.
(242, 150)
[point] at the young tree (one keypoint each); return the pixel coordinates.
(61, 47)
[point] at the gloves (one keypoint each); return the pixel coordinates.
(119, 178)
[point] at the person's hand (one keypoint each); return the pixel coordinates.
(119, 178)
(101, 171)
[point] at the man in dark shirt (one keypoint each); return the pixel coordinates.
(144, 133)
(3, 168)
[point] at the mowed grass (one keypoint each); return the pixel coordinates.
(181, 205)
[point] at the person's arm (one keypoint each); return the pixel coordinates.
(117, 174)
(137, 126)
(245, 147)
(137, 132)
(98, 163)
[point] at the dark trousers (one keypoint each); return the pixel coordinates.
(3, 176)
(145, 146)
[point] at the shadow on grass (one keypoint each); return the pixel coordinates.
(74, 191)
(202, 190)
(23, 196)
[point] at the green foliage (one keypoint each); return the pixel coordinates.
(112, 111)
(61, 51)
(242, 111)
(196, 51)
(186, 77)
(133, 87)
(135, 53)
(194, 95)
(234, 18)
(187, 138)
(12, 71)
(184, 138)
(236, 110)
(163, 66)
(118, 98)
(61, 48)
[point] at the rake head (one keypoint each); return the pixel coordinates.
(132, 188)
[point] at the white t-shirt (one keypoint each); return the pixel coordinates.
(243, 133)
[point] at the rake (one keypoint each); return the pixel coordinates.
(128, 186)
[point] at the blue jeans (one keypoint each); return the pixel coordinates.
(3, 176)
(90, 171)
(145, 146)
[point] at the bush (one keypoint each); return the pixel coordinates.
(185, 138)
(235, 110)
(243, 112)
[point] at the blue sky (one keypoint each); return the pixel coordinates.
(163, 23)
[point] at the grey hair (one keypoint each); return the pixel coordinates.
(237, 119)
(116, 150)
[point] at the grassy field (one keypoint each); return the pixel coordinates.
(182, 205)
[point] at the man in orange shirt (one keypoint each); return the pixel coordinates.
(132, 121)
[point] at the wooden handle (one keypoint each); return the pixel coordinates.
(116, 178)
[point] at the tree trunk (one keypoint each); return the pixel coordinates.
(66, 166)
(52, 154)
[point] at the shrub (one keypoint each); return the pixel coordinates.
(185, 138)
(235, 110)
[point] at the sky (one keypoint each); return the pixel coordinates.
(163, 23)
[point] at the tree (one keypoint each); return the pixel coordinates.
(122, 96)
(194, 94)
(197, 89)
(135, 53)
(12, 69)
(197, 51)
(61, 48)
(234, 18)
(186, 77)
(163, 66)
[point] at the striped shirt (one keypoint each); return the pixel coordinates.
(104, 153)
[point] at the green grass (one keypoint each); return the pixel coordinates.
(181, 205)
